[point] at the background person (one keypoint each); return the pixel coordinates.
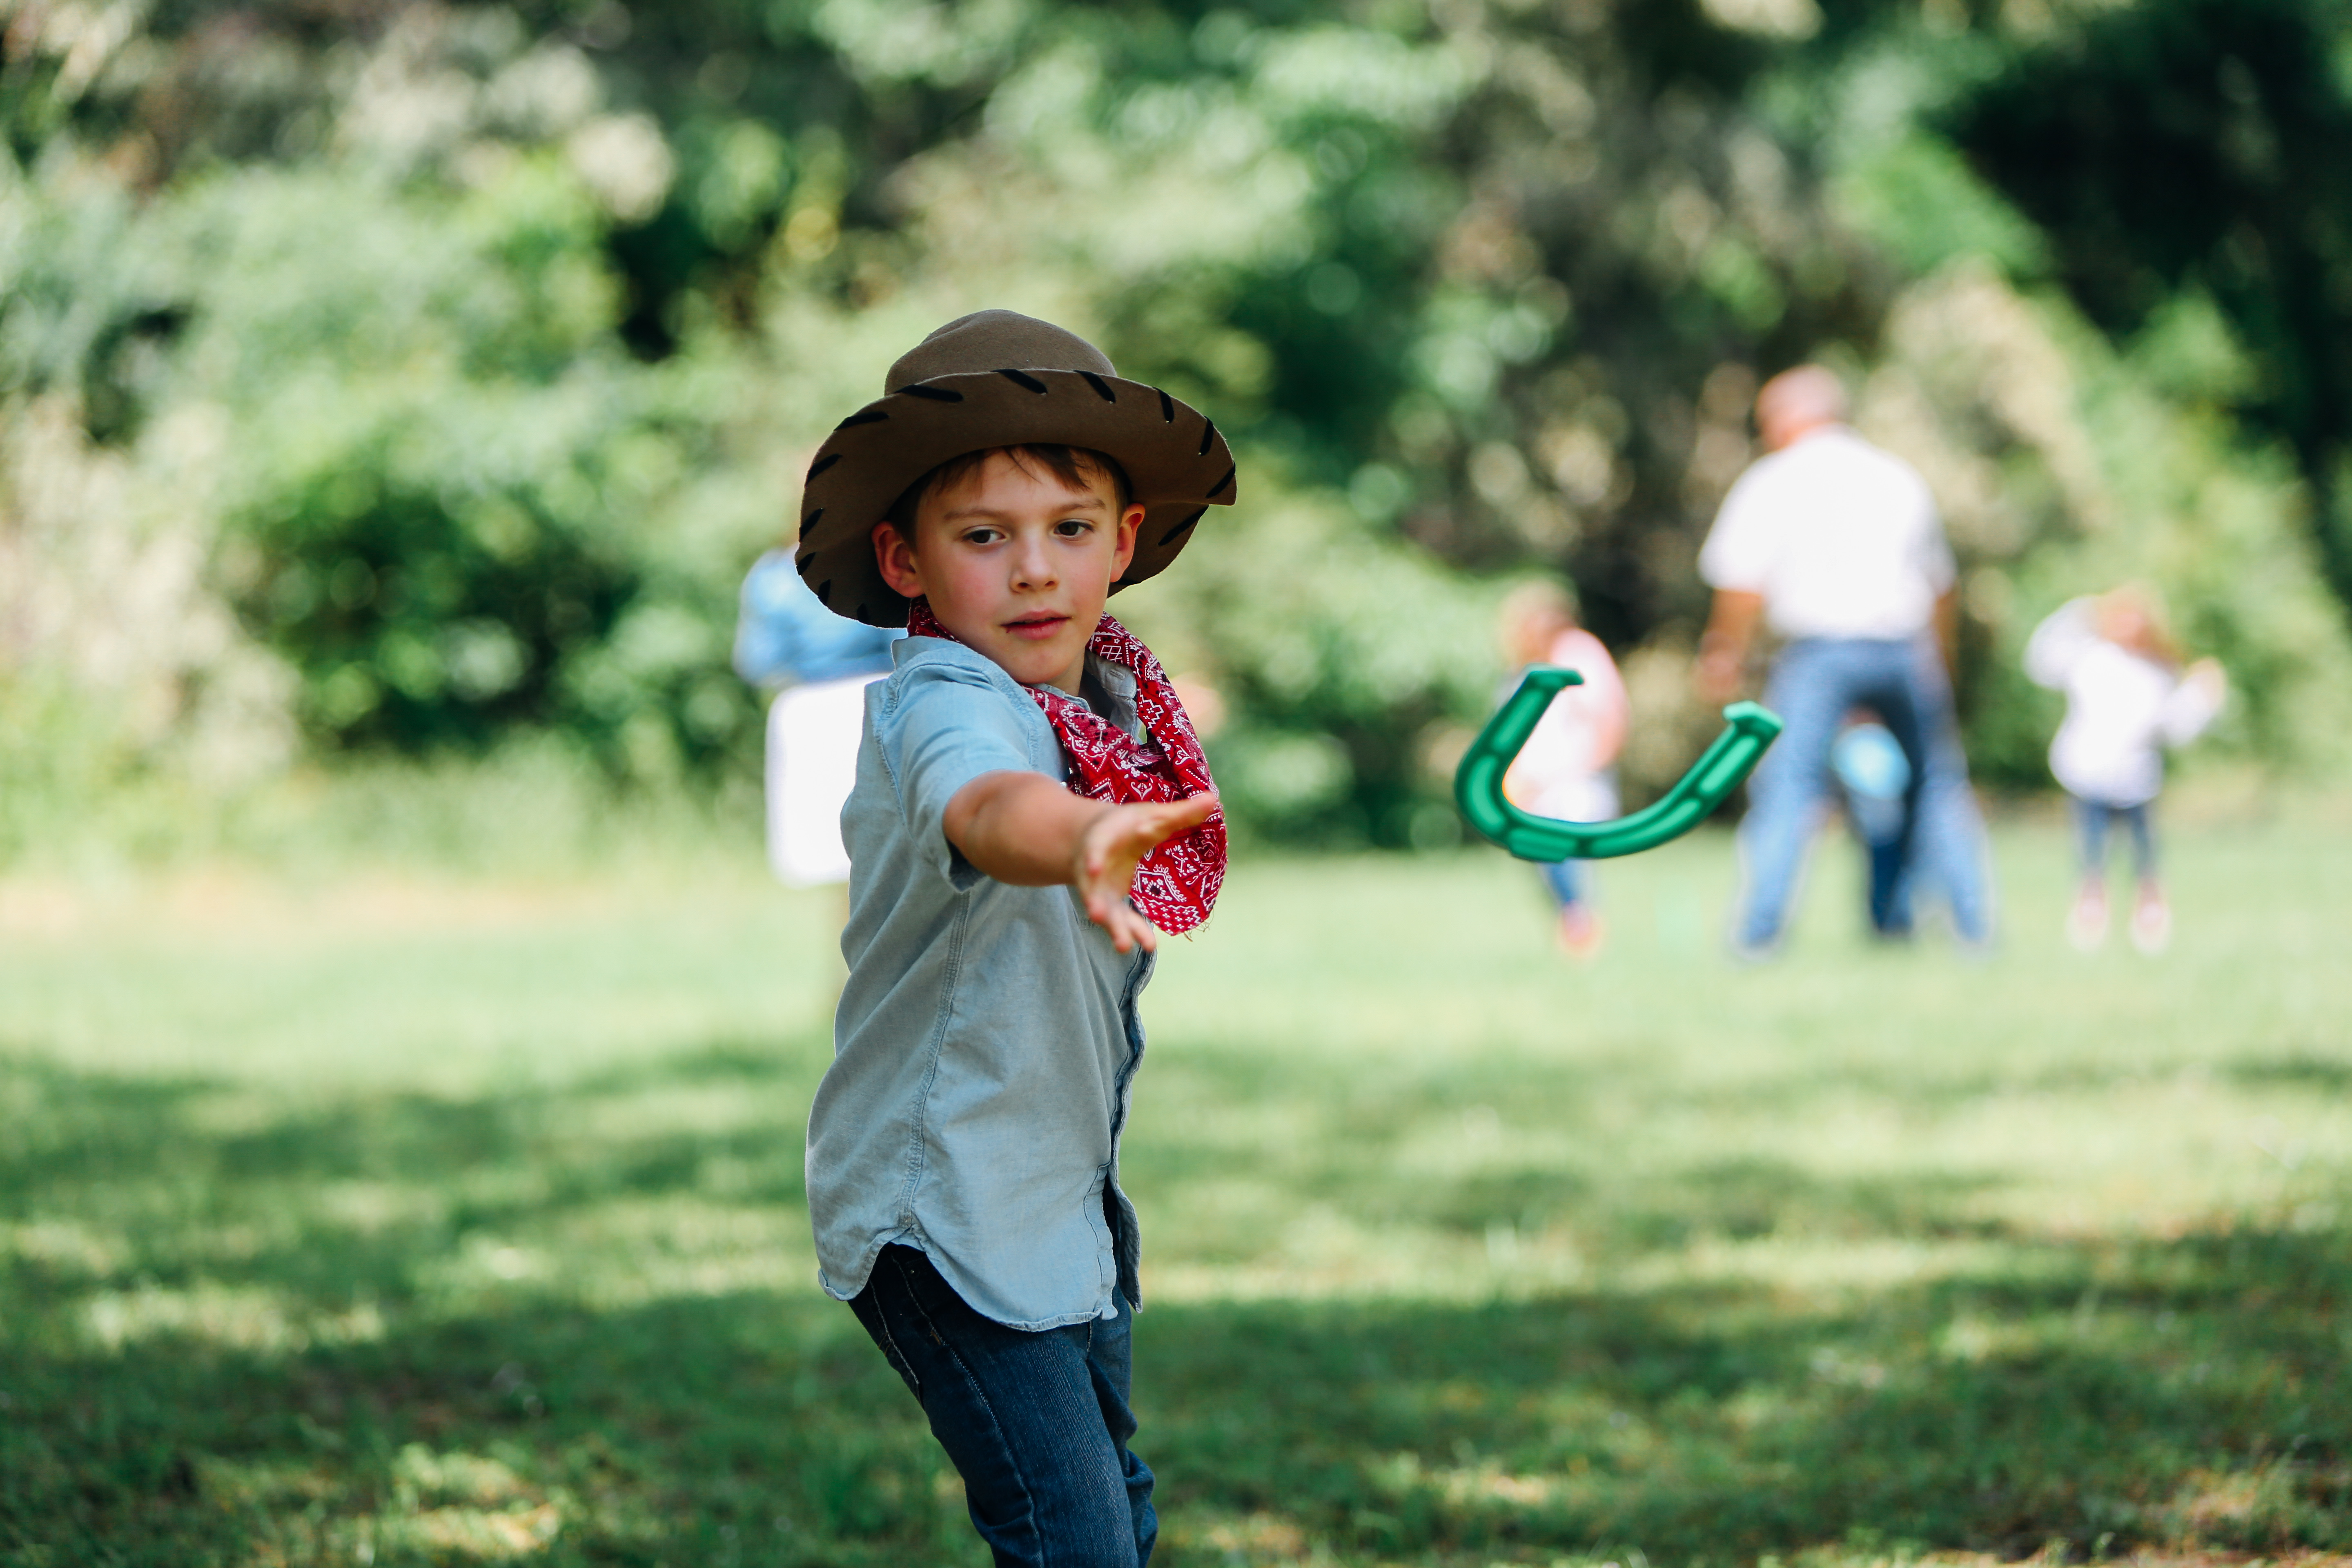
(818, 665)
(1836, 547)
(2126, 697)
(1565, 769)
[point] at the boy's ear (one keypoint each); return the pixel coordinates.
(894, 554)
(1128, 521)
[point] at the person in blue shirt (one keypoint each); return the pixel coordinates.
(783, 637)
(1032, 808)
(818, 665)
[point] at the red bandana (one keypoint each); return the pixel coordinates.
(1176, 885)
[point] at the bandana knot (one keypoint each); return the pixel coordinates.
(1176, 885)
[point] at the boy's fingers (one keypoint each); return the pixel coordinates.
(1109, 853)
(1108, 907)
(1140, 931)
(1178, 816)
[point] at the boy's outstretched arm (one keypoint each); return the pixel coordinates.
(1027, 830)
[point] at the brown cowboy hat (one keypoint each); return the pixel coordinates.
(999, 379)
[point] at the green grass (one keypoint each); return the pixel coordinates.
(393, 1218)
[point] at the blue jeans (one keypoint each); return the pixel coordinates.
(1814, 684)
(1566, 880)
(2091, 820)
(1036, 1424)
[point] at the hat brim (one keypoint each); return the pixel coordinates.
(1177, 463)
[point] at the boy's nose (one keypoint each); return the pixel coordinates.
(1032, 564)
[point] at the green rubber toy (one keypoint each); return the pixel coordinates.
(1478, 782)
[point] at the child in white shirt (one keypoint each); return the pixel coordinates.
(1564, 771)
(2126, 697)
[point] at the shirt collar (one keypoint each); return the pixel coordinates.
(1119, 686)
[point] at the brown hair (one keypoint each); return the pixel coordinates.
(2132, 616)
(1534, 616)
(1074, 465)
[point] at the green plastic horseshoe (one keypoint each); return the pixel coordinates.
(1478, 782)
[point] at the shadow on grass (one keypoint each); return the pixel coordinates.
(2312, 1072)
(2192, 1393)
(229, 1338)
(229, 1335)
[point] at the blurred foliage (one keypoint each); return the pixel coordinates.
(468, 354)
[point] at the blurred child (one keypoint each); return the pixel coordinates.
(1874, 777)
(2126, 697)
(1564, 770)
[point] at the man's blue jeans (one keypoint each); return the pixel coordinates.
(1037, 1423)
(1816, 682)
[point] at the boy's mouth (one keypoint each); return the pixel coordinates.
(1037, 627)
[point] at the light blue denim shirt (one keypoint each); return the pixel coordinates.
(987, 1038)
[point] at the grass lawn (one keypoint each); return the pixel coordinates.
(390, 1219)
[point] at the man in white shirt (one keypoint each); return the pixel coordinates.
(1835, 547)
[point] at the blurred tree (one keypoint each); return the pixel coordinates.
(2199, 147)
(514, 323)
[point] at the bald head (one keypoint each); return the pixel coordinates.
(1796, 403)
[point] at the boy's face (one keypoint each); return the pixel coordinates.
(1015, 563)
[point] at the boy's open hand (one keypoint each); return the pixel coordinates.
(1026, 829)
(1102, 865)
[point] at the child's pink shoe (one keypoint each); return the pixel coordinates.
(2087, 922)
(2151, 926)
(1580, 932)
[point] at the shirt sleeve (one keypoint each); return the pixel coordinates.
(2058, 642)
(948, 727)
(1601, 697)
(1603, 687)
(2187, 709)
(1737, 555)
(1936, 563)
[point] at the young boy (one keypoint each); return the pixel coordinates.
(1032, 805)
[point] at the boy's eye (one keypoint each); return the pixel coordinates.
(1071, 527)
(982, 535)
